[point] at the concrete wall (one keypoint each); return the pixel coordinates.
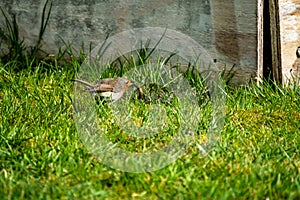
(226, 28)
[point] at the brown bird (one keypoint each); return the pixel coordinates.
(113, 88)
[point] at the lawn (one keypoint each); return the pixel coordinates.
(43, 157)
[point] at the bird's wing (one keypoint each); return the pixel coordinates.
(102, 88)
(106, 88)
(108, 81)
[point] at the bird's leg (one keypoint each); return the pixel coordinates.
(140, 91)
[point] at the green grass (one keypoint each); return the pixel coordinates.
(42, 157)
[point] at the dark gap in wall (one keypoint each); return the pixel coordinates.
(267, 45)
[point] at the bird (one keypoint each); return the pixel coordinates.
(113, 88)
(296, 65)
(298, 52)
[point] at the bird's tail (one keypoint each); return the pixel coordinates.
(84, 83)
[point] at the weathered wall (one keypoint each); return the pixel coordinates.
(290, 33)
(235, 36)
(226, 28)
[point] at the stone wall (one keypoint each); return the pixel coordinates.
(227, 29)
(290, 33)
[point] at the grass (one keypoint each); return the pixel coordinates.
(42, 157)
